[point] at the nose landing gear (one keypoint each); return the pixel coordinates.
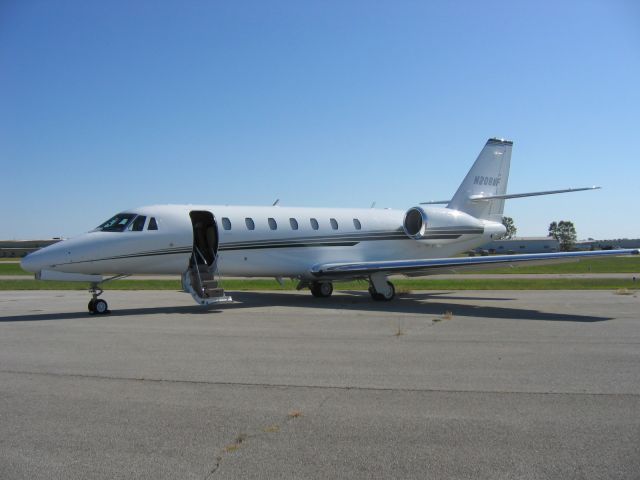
(96, 305)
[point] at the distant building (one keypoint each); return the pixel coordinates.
(19, 248)
(522, 245)
(592, 244)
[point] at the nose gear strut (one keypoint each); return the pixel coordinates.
(97, 305)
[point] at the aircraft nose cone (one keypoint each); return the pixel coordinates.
(44, 258)
(30, 263)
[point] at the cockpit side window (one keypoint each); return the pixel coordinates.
(153, 225)
(117, 223)
(138, 223)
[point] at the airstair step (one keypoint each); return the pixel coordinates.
(213, 292)
(202, 275)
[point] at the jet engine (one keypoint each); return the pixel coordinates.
(437, 223)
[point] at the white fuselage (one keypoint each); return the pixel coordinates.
(283, 251)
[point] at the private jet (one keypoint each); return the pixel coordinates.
(314, 246)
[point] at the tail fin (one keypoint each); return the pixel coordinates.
(488, 177)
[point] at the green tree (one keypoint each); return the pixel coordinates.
(510, 226)
(565, 232)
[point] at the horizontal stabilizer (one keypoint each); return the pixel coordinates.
(480, 198)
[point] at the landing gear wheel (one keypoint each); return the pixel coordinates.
(383, 297)
(100, 306)
(95, 304)
(321, 289)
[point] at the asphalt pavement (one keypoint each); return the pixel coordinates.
(509, 384)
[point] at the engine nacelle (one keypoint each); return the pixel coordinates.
(437, 223)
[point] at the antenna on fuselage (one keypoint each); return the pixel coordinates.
(373, 205)
(275, 204)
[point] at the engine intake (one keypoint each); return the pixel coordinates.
(415, 222)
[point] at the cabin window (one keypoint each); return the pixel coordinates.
(153, 225)
(294, 223)
(273, 225)
(250, 223)
(138, 223)
(334, 223)
(357, 224)
(314, 224)
(226, 223)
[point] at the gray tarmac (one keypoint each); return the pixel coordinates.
(510, 384)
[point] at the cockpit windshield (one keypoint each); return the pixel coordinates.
(117, 223)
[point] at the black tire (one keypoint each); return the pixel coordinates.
(379, 297)
(100, 307)
(321, 289)
(92, 306)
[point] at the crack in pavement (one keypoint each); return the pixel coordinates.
(319, 387)
(241, 438)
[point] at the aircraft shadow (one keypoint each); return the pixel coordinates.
(120, 312)
(409, 303)
(412, 303)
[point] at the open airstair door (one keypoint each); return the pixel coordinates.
(205, 238)
(200, 278)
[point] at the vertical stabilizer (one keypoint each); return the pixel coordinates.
(489, 175)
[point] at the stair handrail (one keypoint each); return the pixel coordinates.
(197, 250)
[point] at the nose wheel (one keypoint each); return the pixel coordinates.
(97, 305)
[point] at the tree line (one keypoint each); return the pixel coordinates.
(563, 231)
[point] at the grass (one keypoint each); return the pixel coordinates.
(405, 284)
(399, 331)
(7, 268)
(624, 291)
(627, 264)
(20, 284)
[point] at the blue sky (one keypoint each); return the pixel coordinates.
(106, 106)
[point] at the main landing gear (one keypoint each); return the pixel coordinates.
(380, 288)
(96, 305)
(321, 289)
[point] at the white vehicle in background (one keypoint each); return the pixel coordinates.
(313, 245)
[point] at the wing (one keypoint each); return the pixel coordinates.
(433, 266)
